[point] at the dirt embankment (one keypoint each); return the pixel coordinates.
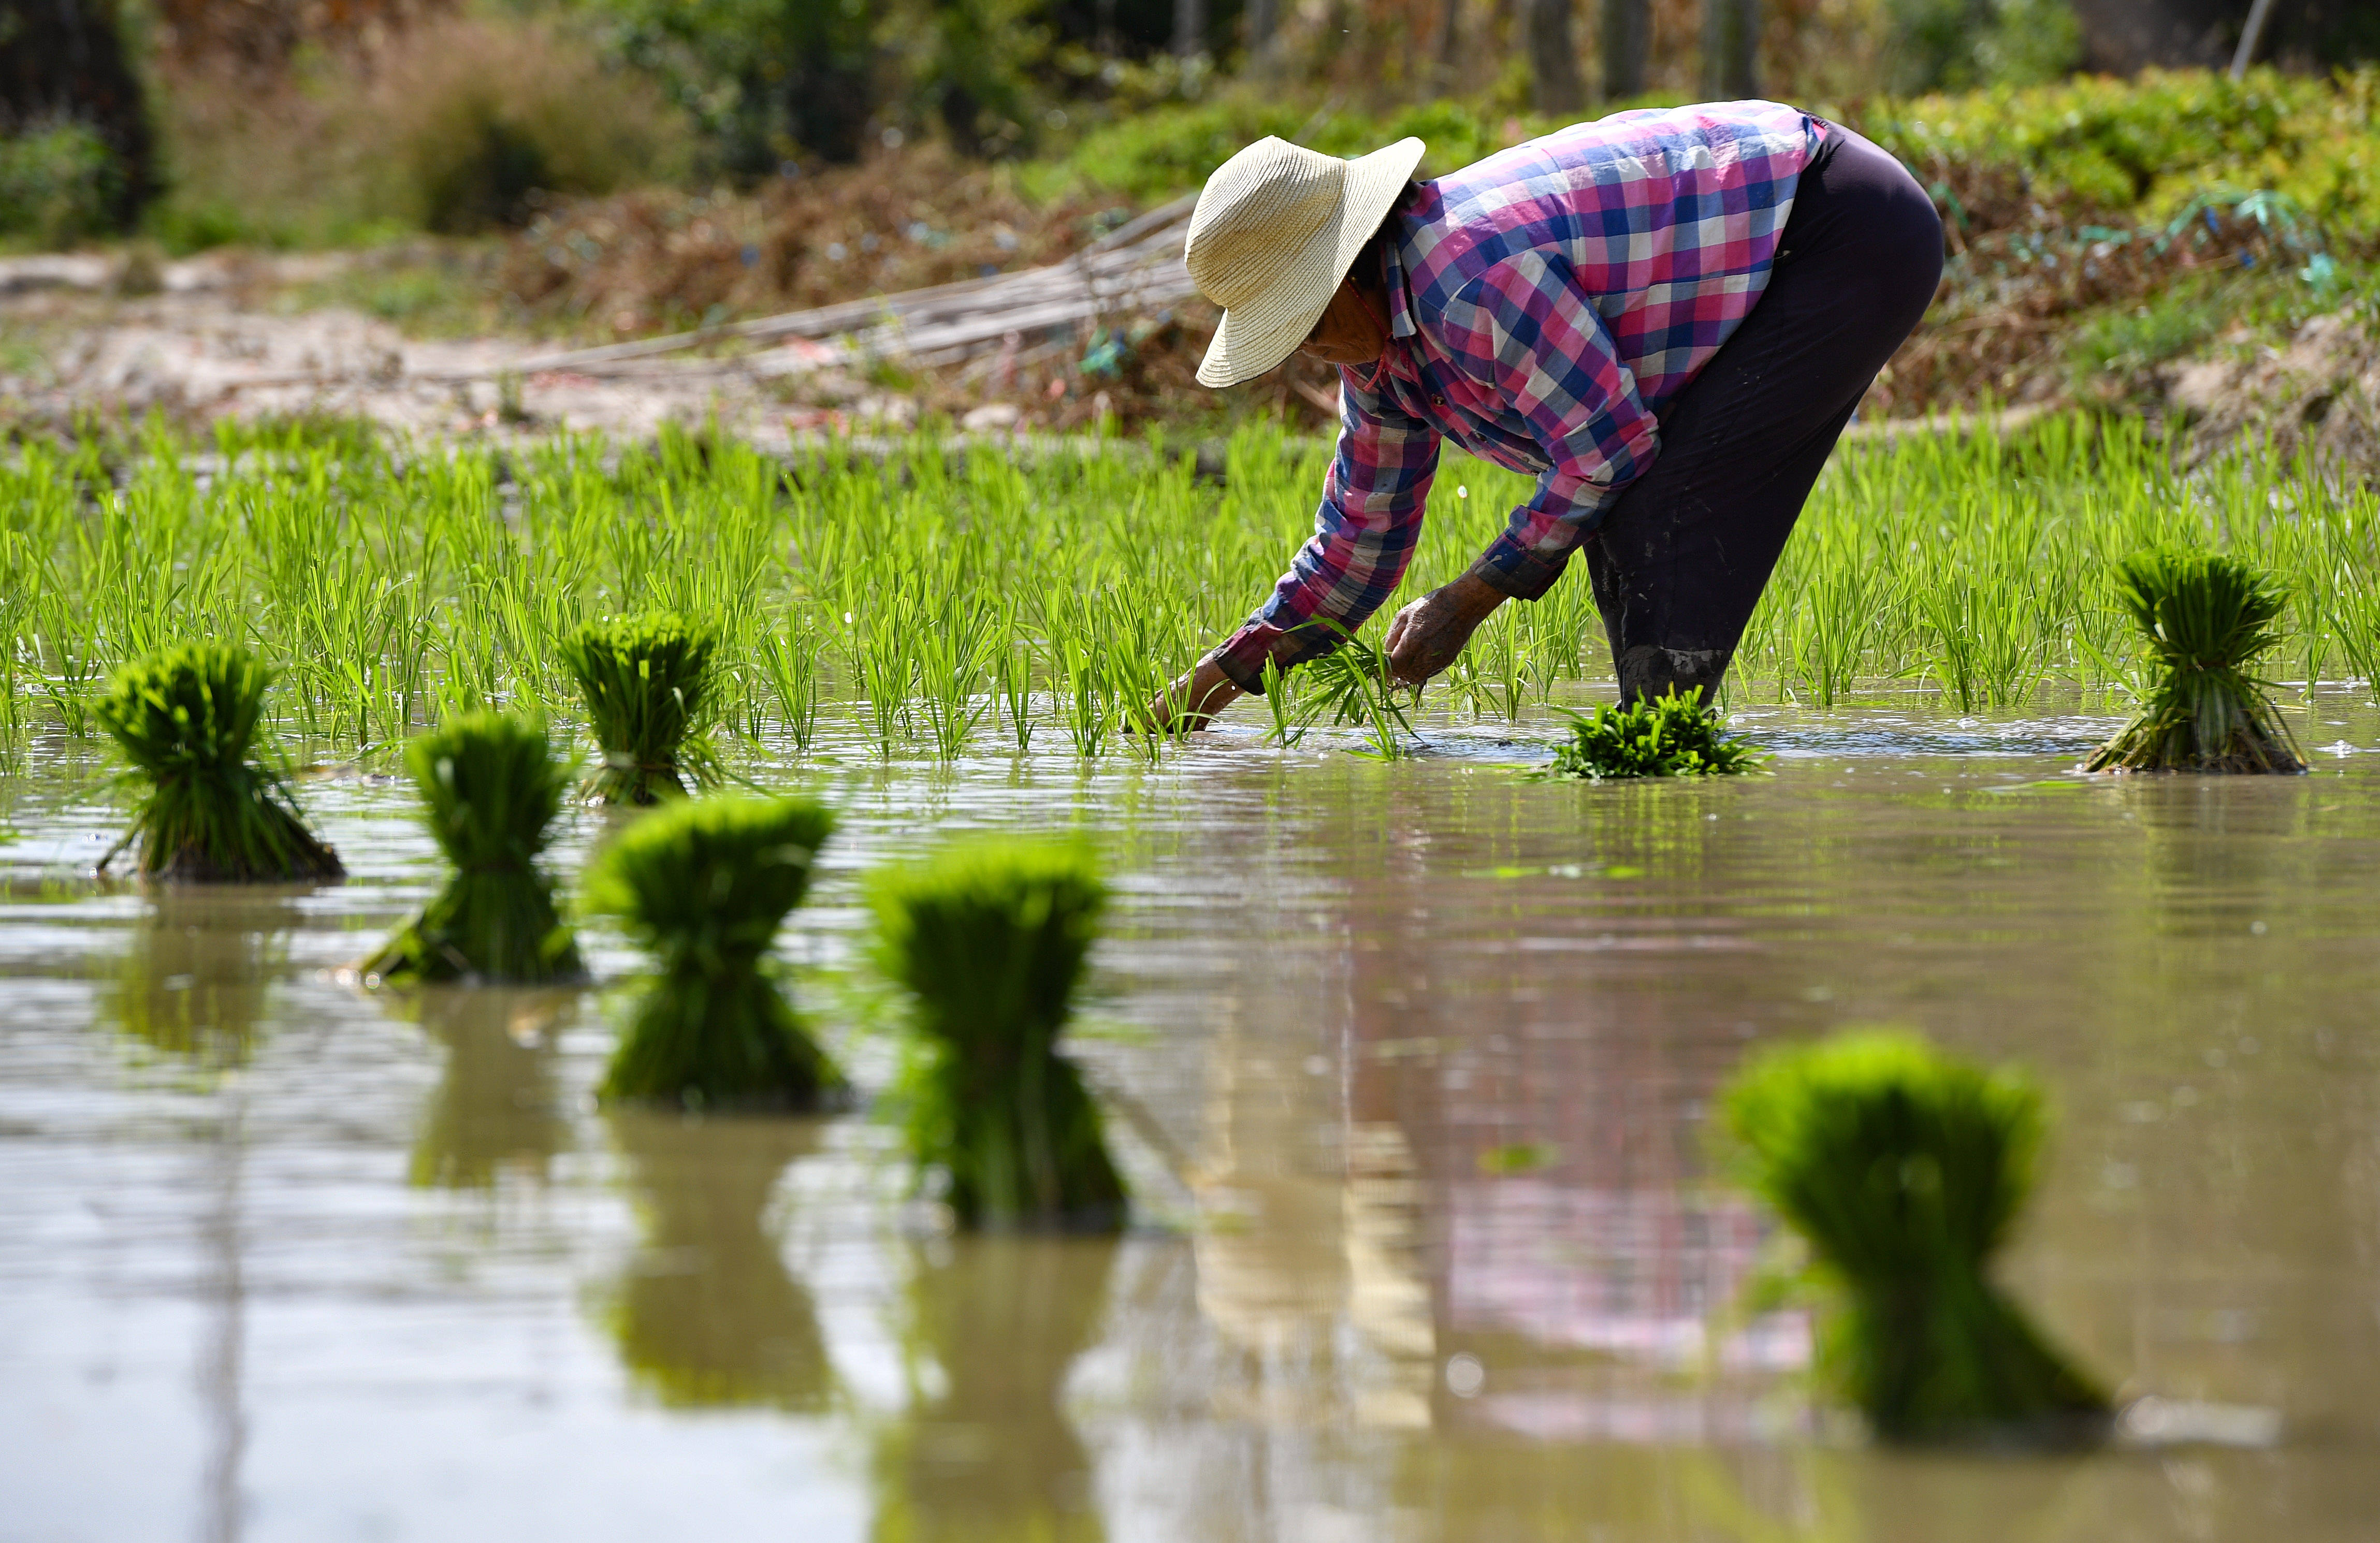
(251, 336)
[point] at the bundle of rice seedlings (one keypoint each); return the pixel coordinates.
(489, 790)
(2208, 617)
(1670, 736)
(989, 938)
(1904, 1171)
(187, 720)
(648, 682)
(704, 887)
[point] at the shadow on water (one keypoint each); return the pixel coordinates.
(495, 1106)
(706, 1313)
(991, 1328)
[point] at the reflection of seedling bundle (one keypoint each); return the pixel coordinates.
(2208, 618)
(1671, 735)
(1003, 1320)
(705, 886)
(1904, 1170)
(495, 1107)
(198, 977)
(991, 940)
(491, 788)
(185, 719)
(708, 1314)
(648, 682)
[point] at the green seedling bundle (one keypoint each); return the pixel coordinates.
(489, 788)
(1904, 1171)
(989, 939)
(648, 685)
(703, 886)
(937, 606)
(1671, 735)
(209, 811)
(2208, 620)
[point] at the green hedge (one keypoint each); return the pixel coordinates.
(2135, 150)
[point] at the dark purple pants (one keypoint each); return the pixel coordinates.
(1682, 559)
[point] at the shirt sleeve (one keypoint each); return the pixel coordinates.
(1527, 331)
(1364, 536)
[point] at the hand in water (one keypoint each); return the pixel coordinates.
(1192, 701)
(1427, 635)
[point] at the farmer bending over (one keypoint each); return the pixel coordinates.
(1666, 317)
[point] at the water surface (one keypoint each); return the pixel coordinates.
(1411, 1063)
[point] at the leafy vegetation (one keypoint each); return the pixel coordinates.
(491, 787)
(704, 887)
(1905, 1171)
(59, 184)
(989, 939)
(187, 718)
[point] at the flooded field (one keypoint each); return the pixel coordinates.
(1409, 1063)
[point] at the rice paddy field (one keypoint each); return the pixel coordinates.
(1409, 1059)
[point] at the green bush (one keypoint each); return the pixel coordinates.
(764, 79)
(58, 185)
(2144, 148)
(1955, 45)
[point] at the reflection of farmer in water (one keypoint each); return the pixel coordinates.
(1666, 317)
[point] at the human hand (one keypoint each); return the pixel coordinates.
(1191, 702)
(1427, 635)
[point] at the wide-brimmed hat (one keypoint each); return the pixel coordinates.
(1277, 228)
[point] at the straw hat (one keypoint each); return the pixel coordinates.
(1276, 228)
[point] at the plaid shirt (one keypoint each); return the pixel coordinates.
(1545, 304)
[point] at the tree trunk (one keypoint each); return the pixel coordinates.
(1553, 57)
(1627, 39)
(1449, 44)
(1731, 45)
(1189, 28)
(1263, 20)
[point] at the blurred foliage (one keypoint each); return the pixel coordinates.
(764, 80)
(1955, 45)
(455, 126)
(2144, 148)
(58, 185)
(2139, 149)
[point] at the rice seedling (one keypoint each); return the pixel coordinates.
(989, 938)
(1352, 684)
(1670, 736)
(648, 682)
(1904, 1170)
(704, 887)
(209, 811)
(925, 605)
(2208, 619)
(489, 788)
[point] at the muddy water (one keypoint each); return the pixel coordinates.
(1411, 1063)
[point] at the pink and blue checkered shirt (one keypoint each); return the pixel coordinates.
(1545, 305)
